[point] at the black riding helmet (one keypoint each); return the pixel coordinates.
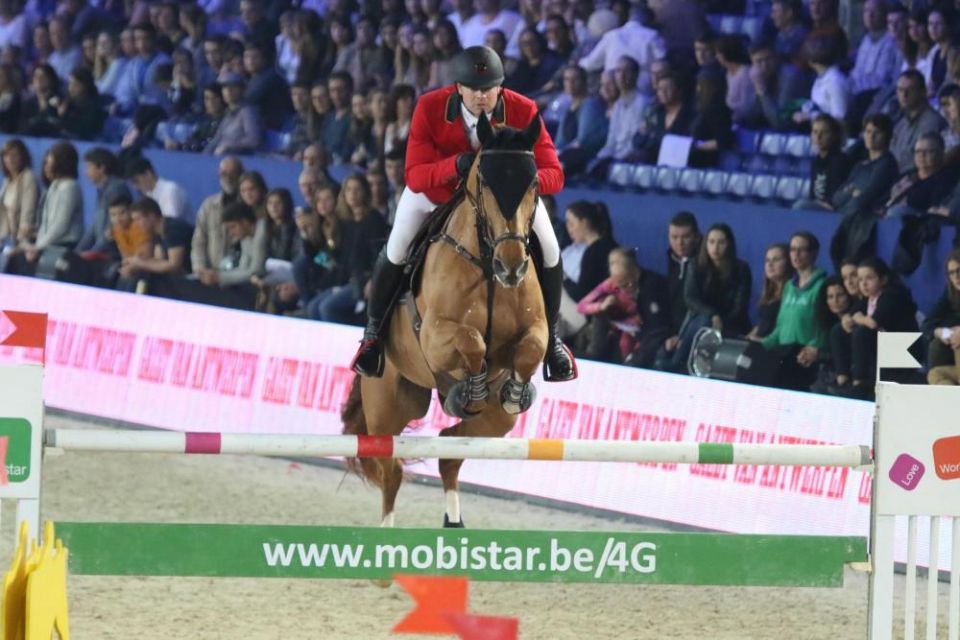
(478, 68)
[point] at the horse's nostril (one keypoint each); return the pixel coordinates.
(499, 267)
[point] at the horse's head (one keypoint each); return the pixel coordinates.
(502, 186)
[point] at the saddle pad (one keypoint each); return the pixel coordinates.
(427, 234)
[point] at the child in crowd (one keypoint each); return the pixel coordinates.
(612, 307)
(942, 328)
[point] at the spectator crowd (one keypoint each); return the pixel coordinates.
(336, 82)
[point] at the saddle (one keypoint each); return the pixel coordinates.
(429, 233)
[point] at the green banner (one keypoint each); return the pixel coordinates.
(145, 549)
(18, 448)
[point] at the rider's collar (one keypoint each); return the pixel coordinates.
(453, 109)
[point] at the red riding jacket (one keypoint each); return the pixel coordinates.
(438, 136)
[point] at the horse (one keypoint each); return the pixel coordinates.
(475, 330)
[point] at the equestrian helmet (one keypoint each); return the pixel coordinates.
(478, 68)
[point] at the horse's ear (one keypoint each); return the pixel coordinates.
(484, 129)
(532, 133)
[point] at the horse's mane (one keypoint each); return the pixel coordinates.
(507, 139)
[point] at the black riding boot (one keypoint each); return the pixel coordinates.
(558, 363)
(384, 281)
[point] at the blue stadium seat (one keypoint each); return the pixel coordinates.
(714, 182)
(759, 163)
(730, 24)
(805, 186)
(763, 187)
(773, 143)
(748, 140)
(691, 181)
(784, 166)
(620, 174)
(730, 161)
(738, 184)
(667, 178)
(714, 20)
(752, 27)
(165, 131)
(644, 176)
(114, 128)
(758, 8)
(798, 146)
(789, 189)
(275, 141)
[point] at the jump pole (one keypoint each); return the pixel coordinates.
(411, 447)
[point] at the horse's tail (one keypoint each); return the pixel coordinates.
(355, 424)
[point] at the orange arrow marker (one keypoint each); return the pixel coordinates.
(434, 597)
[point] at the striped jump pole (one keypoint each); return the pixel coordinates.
(457, 448)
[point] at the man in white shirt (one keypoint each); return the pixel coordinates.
(633, 40)
(625, 119)
(489, 16)
(171, 197)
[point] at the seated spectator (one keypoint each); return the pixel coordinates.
(612, 309)
(232, 285)
(834, 312)
(168, 257)
(916, 119)
(336, 126)
(304, 125)
(927, 186)
(683, 235)
(536, 66)
(169, 196)
(942, 329)
(941, 27)
(214, 110)
(712, 129)
(378, 101)
(209, 237)
(633, 40)
(364, 150)
(625, 120)
(108, 64)
(796, 339)
(80, 114)
(582, 130)
(925, 48)
(364, 232)
(281, 228)
(41, 48)
(10, 98)
(830, 165)
(780, 89)
(66, 56)
(585, 262)
(400, 110)
(877, 62)
(18, 196)
(102, 169)
(182, 95)
(489, 16)
(848, 273)
(40, 108)
(869, 181)
(887, 306)
(497, 40)
(705, 51)
(265, 90)
(13, 26)
(253, 193)
(777, 272)
(258, 26)
(672, 114)
(830, 93)
(825, 26)
(950, 109)
(240, 130)
(61, 210)
(787, 18)
(213, 50)
(319, 268)
(136, 85)
(736, 63)
(370, 64)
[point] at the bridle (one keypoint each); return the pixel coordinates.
(486, 240)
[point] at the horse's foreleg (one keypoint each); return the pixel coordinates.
(451, 346)
(517, 394)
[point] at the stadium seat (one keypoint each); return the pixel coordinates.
(763, 187)
(798, 146)
(752, 27)
(759, 163)
(691, 181)
(758, 8)
(805, 186)
(785, 166)
(773, 143)
(114, 128)
(738, 185)
(714, 182)
(789, 189)
(667, 178)
(276, 141)
(730, 161)
(748, 140)
(730, 24)
(620, 174)
(714, 20)
(643, 176)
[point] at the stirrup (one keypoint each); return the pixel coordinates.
(369, 348)
(550, 375)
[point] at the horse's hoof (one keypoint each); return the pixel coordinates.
(516, 397)
(457, 400)
(452, 525)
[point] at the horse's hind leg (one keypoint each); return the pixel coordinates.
(390, 404)
(493, 422)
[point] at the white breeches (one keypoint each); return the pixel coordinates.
(413, 209)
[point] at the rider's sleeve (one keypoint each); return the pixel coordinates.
(425, 168)
(549, 171)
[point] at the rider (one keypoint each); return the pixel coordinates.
(440, 151)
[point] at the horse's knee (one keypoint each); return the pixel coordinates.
(529, 354)
(469, 343)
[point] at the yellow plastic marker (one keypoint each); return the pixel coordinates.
(47, 591)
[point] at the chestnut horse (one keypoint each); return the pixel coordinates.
(477, 331)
